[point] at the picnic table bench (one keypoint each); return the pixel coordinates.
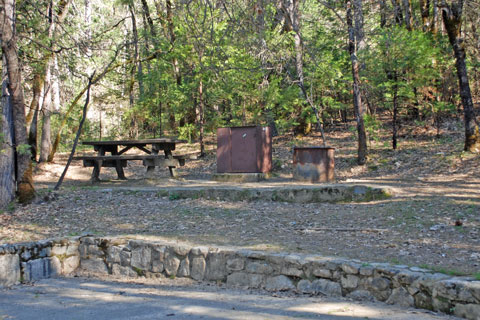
(118, 159)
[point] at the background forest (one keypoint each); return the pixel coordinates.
(184, 68)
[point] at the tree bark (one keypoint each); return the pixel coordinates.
(407, 8)
(355, 37)
(452, 18)
(45, 142)
(25, 190)
(7, 154)
(397, 10)
(383, 13)
(425, 11)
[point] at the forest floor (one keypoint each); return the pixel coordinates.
(433, 220)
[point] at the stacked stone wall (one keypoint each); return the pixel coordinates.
(27, 262)
(303, 274)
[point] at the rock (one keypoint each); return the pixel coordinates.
(423, 301)
(95, 265)
(326, 287)
(59, 250)
(184, 269)
(401, 297)
(197, 268)
(378, 284)
(87, 240)
(349, 282)
(9, 269)
(379, 287)
(441, 305)
(366, 271)
(292, 271)
(305, 286)
(216, 268)
(39, 269)
(181, 250)
(70, 264)
(361, 295)
(279, 283)
(171, 265)
(55, 266)
(141, 258)
(245, 280)
(158, 258)
(467, 311)
(113, 254)
(259, 268)
(407, 277)
(118, 270)
(95, 251)
(72, 249)
(474, 288)
(26, 255)
(199, 251)
(82, 250)
(322, 273)
(235, 264)
(350, 268)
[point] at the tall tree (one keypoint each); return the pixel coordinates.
(452, 18)
(23, 167)
(7, 155)
(355, 44)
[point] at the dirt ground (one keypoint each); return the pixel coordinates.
(432, 221)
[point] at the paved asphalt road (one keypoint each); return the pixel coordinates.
(83, 298)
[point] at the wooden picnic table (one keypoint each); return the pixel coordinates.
(118, 159)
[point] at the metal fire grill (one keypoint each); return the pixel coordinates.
(314, 164)
(244, 150)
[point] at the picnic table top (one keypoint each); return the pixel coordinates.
(133, 142)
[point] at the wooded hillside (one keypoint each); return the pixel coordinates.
(184, 68)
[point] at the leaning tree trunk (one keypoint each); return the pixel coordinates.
(355, 37)
(23, 170)
(452, 18)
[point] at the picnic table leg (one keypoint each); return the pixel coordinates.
(97, 165)
(151, 169)
(118, 166)
(173, 170)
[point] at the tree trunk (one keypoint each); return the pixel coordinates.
(397, 10)
(356, 42)
(452, 18)
(23, 170)
(7, 154)
(46, 142)
(395, 114)
(34, 110)
(383, 13)
(407, 8)
(137, 53)
(434, 23)
(201, 117)
(425, 11)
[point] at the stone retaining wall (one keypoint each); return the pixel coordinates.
(26, 262)
(312, 194)
(304, 274)
(308, 274)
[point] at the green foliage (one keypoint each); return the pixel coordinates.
(372, 127)
(187, 132)
(24, 149)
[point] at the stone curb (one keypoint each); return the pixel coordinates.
(302, 274)
(300, 194)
